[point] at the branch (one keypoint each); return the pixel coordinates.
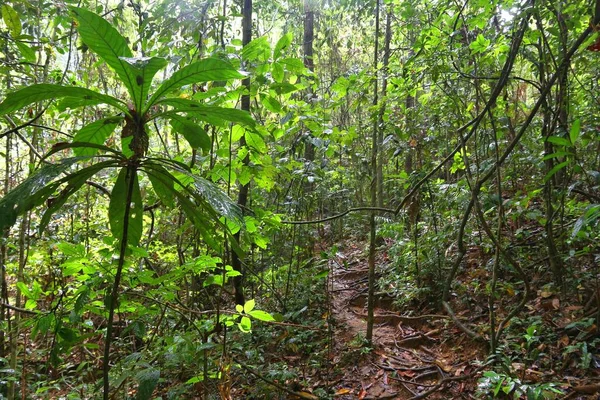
(336, 216)
(18, 309)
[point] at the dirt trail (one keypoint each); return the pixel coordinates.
(412, 356)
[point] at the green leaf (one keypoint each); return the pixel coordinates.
(97, 132)
(144, 69)
(245, 325)
(282, 43)
(255, 141)
(32, 94)
(116, 208)
(277, 72)
(75, 182)
(258, 49)
(271, 104)
(147, 381)
(555, 169)
(575, 130)
(560, 141)
(26, 52)
(294, 65)
(261, 315)
(213, 195)
(249, 306)
(212, 114)
(32, 192)
(557, 155)
(193, 133)
(68, 334)
(11, 19)
(75, 145)
(239, 308)
(480, 44)
(162, 187)
(75, 102)
(25, 290)
(103, 39)
(193, 211)
(209, 69)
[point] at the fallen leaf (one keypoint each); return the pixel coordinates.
(442, 364)
(306, 395)
(342, 391)
(564, 340)
(385, 378)
(362, 394)
(556, 303)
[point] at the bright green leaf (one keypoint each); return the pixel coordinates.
(144, 69)
(97, 132)
(11, 19)
(27, 52)
(282, 44)
(575, 130)
(103, 39)
(249, 306)
(261, 315)
(277, 72)
(560, 141)
(209, 69)
(245, 325)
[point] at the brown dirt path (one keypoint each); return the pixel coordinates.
(412, 357)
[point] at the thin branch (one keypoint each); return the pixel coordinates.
(19, 309)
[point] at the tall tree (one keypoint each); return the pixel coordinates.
(244, 188)
(374, 170)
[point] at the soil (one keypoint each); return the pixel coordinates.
(411, 356)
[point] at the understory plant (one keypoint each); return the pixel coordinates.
(62, 175)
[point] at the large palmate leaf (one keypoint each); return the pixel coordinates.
(103, 39)
(32, 192)
(212, 114)
(193, 133)
(97, 132)
(144, 69)
(74, 182)
(32, 94)
(117, 207)
(209, 69)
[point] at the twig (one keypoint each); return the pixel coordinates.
(19, 309)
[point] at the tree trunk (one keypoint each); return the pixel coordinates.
(372, 227)
(244, 189)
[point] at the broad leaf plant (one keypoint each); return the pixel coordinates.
(174, 182)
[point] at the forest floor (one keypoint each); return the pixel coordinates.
(412, 356)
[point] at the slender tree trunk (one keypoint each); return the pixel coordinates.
(3, 252)
(244, 189)
(307, 47)
(547, 131)
(114, 294)
(382, 109)
(372, 239)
